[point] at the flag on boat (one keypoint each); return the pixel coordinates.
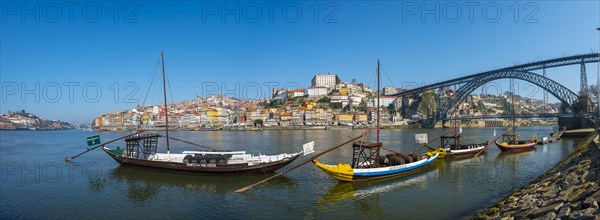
(308, 148)
(421, 138)
(93, 140)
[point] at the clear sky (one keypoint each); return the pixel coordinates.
(73, 56)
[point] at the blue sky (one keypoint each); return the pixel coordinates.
(347, 38)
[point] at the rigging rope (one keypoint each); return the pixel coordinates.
(388, 77)
(169, 84)
(151, 81)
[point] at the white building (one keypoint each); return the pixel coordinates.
(384, 101)
(295, 93)
(317, 91)
(355, 100)
(328, 80)
(390, 90)
(340, 99)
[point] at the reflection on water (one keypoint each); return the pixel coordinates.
(361, 190)
(462, 186)
(142, 185)
(515, 154)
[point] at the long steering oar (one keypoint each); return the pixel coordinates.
(191, 143)
(385, 148)
(491, 142)
(300, 164)
(69, 159)
(429, 142)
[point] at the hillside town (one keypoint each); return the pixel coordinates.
(22, 120)
(328, 103)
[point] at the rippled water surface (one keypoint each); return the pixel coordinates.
(37, 183)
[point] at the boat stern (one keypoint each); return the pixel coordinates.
(116, 152)
(439, 152)
(341, 172)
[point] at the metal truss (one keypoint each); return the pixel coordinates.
(562, 93)
(558, 62)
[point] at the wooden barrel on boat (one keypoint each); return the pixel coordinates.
(188, 158)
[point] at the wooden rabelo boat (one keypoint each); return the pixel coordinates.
(511, 141)
(453, 148)
(141, 151)
(368, 164)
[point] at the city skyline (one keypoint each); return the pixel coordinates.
(203, 49)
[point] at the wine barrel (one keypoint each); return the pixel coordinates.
(188, 158)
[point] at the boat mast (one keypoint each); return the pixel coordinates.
(378, 101)
(166, 108)
(512, 87)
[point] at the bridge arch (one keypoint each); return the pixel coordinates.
(562, 93)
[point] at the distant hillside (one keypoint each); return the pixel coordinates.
(22, 120)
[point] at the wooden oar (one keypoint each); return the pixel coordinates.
(429, 142)
(385, 148)
(69, 159)
(191, 143)
(300, 164)
(390, 150)
(491, 142)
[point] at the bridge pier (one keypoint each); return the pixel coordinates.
(583, 90)
(571, 123)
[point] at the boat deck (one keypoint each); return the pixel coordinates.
(236, 157)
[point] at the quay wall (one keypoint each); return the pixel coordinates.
(570, 190)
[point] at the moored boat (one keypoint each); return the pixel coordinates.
(141, 151)
(367, 164)
(512, 142)
(453, 148)
(463, 150)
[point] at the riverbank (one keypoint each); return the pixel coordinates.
(570, 190)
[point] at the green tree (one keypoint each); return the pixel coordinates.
(362, 103)
(324, 99)
(335, 105)
(258, 122)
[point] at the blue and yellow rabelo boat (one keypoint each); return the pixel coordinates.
(368, 164)
(364, 167)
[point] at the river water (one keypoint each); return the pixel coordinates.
(37, 183)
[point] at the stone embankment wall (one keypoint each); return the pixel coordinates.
(570, 190)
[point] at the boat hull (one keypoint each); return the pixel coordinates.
(214, 170)
(508, 147)
(449, 153)
(345, 173)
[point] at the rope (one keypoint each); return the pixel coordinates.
(388, 77)
(151, 81)
(169, 84)
(191, 143)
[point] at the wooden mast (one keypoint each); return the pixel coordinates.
(166, 108)
(512, 83)
(378, 101)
